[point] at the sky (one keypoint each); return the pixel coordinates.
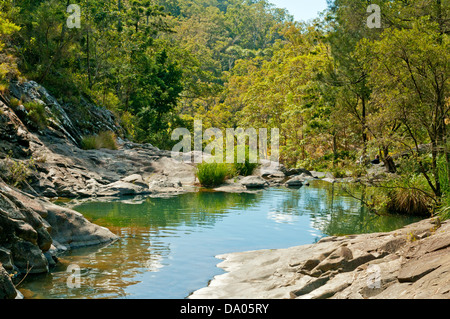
(302, 9)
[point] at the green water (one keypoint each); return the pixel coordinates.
(168, 245)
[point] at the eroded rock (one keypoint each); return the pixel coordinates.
(380, 265)
(254, 182)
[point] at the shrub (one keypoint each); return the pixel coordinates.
(410, 196)
(105, 139)
(245, 168)
(36, 114)
(3, 87)
(16, 173)
(338, 172)
(443, 180)
(14, 103)
(409, 201)
(89, 142)
(444, 211)
(212, 174)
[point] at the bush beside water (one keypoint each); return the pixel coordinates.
(212, 174)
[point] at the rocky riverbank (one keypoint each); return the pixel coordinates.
(34, 231)
(409, 263)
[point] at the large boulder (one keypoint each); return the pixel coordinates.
(34, 231)
(270, 169)
(254, 182)
(69, 229)
(122, 188)
(298, 180)
(29, 258)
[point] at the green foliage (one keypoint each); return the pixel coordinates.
(8, 66)
(156, 94)
(212, 174)
(333, 87)
(409, 195)
(443, 175)
(14, 103)
(246, 168)
(338, 172)
(444, 210)
(16, 172)
(36, 114)
(104, 139)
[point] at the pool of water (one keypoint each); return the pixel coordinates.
(168, 245)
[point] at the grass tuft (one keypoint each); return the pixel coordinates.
(212, 174)
(105, 139)
(36, 114)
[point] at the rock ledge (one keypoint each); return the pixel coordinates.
(410, 263)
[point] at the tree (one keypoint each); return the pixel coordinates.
(8, 66)
(409, 72)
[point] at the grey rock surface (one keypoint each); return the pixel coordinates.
(380, 265)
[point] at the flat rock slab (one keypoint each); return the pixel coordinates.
(379, 265)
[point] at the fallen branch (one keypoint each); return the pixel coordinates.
(26, 274)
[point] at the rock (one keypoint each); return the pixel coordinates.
(253, 182)
(71, 230)
(366, 266)
(369, 280)
(317, 174)
(7, 289)
(164, 183)
(393, 245)
(51, 259)
(337, 259)
(298, 180)
(135, 179)
(416, 268)
(29, 258)
(25, 231)
(298, 171)
(427, 245)
(121, 188)
(28, 227)
(44, 240)
(329, 288)
(310, 285)
(270, 169)
(5, 259)
(308, 265)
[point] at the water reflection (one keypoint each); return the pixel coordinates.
(168, 245)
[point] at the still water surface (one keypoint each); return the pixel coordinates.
(168, 245)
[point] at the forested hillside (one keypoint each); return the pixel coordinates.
(145, 60)
(337, 89)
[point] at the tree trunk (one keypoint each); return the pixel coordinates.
(119, 23)
(363, 119)
(434, 153)
(88, 58)
(388, 161)
(334, 144)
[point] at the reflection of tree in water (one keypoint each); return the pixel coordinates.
(107, 272)
(191, 209)
(346, 214)
(143, 226)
